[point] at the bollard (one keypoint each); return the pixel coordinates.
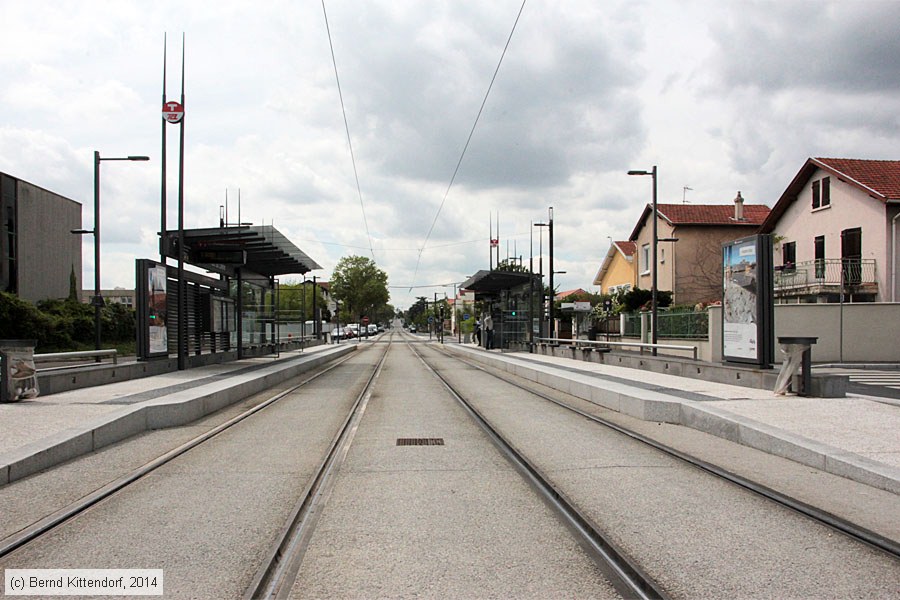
(799, 354)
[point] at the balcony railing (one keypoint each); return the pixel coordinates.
(825, 273)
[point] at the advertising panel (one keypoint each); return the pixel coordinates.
(747, 301)
(151, 306)
(158, 335)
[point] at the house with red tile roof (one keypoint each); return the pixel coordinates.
(618, 273)
(560, 296)
(689, 246)
(835, 229)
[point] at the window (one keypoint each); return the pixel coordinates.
(826, 191)
(645, 258)
(851, 255)
(820, 256)
(788, 255)
(816, 199)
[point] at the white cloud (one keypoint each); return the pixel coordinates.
(720, 96)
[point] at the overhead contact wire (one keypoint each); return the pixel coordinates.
(347, 129)
(468, 140)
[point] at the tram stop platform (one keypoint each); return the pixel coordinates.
(853, 437)
(39, 433)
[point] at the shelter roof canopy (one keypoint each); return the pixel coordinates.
(268, 251)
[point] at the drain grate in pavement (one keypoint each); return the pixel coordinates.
(420, 441)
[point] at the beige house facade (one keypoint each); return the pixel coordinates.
(618, 273)
(835, 228)
(689, 247)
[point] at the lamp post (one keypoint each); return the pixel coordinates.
(541, 276)
(97, 299)
(653, 273)
(552, 289)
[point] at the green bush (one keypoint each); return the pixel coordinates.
(62, 325)
(20, 320)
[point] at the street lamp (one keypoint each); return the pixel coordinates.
(97, 299)
(541, 274)
(548, 225)
(653, 274)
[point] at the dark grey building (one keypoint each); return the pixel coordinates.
(38, 252)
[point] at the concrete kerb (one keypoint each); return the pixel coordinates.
(174, 410)
(655, 406)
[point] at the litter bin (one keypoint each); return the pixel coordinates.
(18, 375)
(798, 353)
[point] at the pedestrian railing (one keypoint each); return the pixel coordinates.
(604, 344)
(75, 356)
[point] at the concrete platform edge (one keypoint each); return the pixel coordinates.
(653, 406)
(172, 411)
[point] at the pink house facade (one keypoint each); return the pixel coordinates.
(835, 229)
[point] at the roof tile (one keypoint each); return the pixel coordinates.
(712, 214)
(882, 176)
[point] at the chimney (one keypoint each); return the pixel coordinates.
(738, 208)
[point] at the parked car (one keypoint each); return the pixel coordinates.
(372, 329)
(412, 328)
(342, 333)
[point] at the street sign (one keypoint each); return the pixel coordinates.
(465, 316)
(431, 319)
(365, 320)
(173, 112)
(217, 256)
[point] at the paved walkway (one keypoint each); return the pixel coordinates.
(855, 437)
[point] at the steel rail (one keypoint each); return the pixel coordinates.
(625, 575)
(844, 526)
(278, 572)
(72, 510)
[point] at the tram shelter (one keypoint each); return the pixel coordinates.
(232, 308)
(511, 298)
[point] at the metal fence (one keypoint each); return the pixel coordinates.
(631, 325)
(689, 324)
(681, 324)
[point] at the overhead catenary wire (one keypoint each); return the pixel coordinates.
(435, 247)
(347, 129)
(468, 140)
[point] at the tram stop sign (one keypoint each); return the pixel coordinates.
(173, 112)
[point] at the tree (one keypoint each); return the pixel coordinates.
(295, 301)
(73, 286)
(700, 276)
(511, 264)
(418, 313)
(360, 287)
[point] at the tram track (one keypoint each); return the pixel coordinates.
(278, 572)
(35, 531)
(305, 537)
(624, 574)
(813, 513)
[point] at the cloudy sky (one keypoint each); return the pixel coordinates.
(722, 96)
